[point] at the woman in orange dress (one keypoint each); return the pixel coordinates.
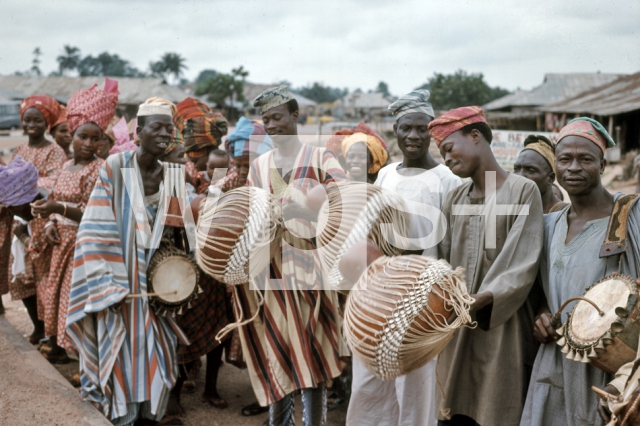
(38, 113)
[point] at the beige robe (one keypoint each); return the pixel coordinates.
(482, 369)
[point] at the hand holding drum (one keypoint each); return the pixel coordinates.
(397, 315)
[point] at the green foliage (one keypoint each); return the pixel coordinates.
(460, 89)
(204, 74)
(321, 93)
(106, 64)
(35, 63)
(69, 60)
(169, 64)
(223, 87)
(383, 88)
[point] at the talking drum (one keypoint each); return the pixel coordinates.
(352, 213)
(396, 317)
(603, 327)
(236, 232)
(173, 281)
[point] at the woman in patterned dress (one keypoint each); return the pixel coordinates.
(64, 209)
(37, 113)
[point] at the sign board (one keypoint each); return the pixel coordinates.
(507, 144)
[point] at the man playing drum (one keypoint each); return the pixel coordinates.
(295, 343)
(420, 180)
(128, 359)
(560, 389)
(497, 241)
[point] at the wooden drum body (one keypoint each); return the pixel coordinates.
(608, 340)
(396, 317)
(236, 233)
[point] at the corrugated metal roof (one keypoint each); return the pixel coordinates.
(365, 100)
(620, 96)
(555, 88)
(133, 91)
(252, 90)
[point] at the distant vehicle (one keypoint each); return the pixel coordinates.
(10, 115)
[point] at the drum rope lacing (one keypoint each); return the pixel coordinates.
(350, 223)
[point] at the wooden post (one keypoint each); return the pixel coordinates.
(610, 124)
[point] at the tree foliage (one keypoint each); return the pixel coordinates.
(169, 64)
(460, 89)
(69, 60)
(383, 88)
(223, 87)
(204, 74)
(106, 64)
(35, 63)
(321, 93)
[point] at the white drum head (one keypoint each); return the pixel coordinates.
(587, 326)
(174, 274)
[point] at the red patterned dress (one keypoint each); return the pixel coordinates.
(48, 161)
(5, 246)
(74, 190)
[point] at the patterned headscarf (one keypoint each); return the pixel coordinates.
(453, 121)
(542, 146)
(18, 182)
(120, 132)
(272, 98)
(176, 139)
(378, 153)
(415, 101)
(588, 128)
(156, 106)
(249, 138)
(93, 105)
(334, 143)
(48, 106)
(62, 118)
(189, 108)
(200, 133)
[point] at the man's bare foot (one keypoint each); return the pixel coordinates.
(174, 408)
(215, 400)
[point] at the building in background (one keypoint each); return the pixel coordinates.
(521, 110)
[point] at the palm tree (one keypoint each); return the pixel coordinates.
(173, 64)
(69, 60)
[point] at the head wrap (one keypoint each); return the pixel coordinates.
(415, 101)
(334, 143)
(18, 182)
(588, 128)
(221, 123)
(156, 106)
(176, 139)
(120, 132)
(189, 108)
(49, 107)
(542, 146)
(378, 153)
(453, 121)
(249, 138)
(93, 105)
(62, 118)
(272, 98)
(200, 133)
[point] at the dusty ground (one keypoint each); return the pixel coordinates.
(233, 385)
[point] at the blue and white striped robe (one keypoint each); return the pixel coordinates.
(128, 360)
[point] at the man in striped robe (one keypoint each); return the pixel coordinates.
(295, 343)
(128, 361)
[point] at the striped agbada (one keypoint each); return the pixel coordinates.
(296, 341)
(127, 354)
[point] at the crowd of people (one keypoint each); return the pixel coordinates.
(83, 215)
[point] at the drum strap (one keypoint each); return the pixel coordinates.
(615, 241)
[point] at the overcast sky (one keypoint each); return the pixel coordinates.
(347, 43)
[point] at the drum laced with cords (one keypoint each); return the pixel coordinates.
(237, 234)
(354, 212)
(396, 317)
(603, 327)
(173, 280)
